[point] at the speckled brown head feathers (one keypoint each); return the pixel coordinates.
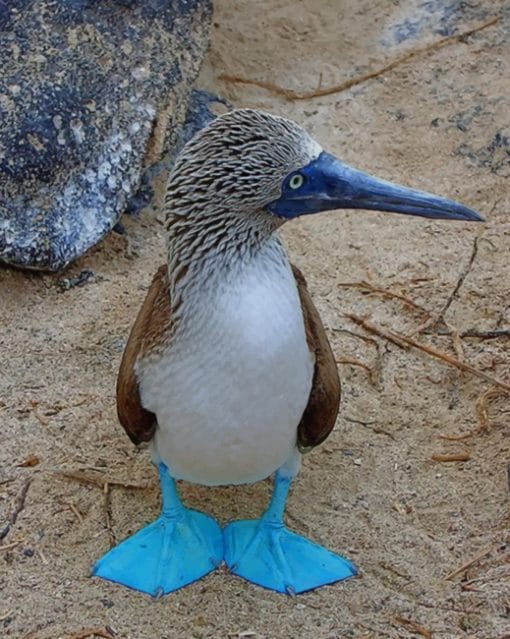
(237, 164)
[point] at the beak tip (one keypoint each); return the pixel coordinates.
(473, 216)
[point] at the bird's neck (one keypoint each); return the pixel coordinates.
(208, 254)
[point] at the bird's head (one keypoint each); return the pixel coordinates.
(252, 163)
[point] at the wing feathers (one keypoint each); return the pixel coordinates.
(147, 335)
(320, 414)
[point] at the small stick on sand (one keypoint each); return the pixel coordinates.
(364, 338)
(385, 293)
(413, 627)
(472, 561)
(482, 412)
(404, 342)
(456, 438)
(482, 407)
(108, 514)
(372, 373)
(451, 457)
(354, 362)
(90, 632)
(43, 557)
(9, 546)
(460, 281)
(497, 333)
(20, 504)
(6, 615)
(75, 510)
(89, 478)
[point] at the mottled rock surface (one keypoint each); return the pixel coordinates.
(91, 93)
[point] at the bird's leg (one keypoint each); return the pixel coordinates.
(265, 552)
(274, 512)
(171, 504)
(179, 547)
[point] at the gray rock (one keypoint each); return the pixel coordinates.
(198, 115)
(92, 92)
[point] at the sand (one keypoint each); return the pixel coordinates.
(430, 538)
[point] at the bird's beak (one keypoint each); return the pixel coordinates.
(330, 184)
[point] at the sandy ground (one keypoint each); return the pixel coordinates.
(439, 120)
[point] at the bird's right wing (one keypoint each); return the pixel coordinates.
(148, 334)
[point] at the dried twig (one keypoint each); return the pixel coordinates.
(13, 544)
(43, 557)
(44, 421)
(482, 411)
(460, 281)
(89, 478)
(20, 504)
(355, 362)
(394, 570)
(459, 352)
(404, 342)
(75, 510)
(6, 615)
(375, 429)
(456, 438)
(436, 319)
(384, 292)
(483, 553)
(31, 460)
(482, 408)
(413, 626)
(495, 334)
(473, 332)
(108, 514)
(104, 483)
(372, 372)
(291, 94)
(364, 338)
(451, 457)
(467, 585)
(457, 344)
(90, 632)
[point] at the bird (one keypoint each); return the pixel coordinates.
(228, 370)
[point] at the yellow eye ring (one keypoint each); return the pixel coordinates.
(296, 181)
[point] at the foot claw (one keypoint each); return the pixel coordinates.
(290, 591)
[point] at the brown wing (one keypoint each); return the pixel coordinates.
(148, 333)
(320, 414)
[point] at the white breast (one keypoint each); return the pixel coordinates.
(231, 389)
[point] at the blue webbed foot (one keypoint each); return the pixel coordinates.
(165, 555)
(274, 557)
(266, 553)
(178, 548)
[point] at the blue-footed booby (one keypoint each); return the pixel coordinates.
(228, 370)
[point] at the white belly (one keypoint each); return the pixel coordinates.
(229, 393)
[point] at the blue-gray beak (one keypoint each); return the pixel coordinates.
(327, 184)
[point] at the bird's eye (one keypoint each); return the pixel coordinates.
(296, 181)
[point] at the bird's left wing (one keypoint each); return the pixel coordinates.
(321, 411)
(148, 334)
